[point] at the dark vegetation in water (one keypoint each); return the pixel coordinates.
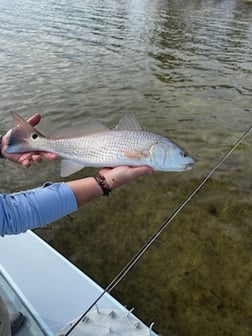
(196, 279)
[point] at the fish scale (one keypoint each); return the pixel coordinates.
(105, 148)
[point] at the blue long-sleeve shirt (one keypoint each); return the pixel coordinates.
(35, 208)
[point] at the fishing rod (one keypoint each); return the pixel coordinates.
(119, 277)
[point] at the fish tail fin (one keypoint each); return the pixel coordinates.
(21, 136)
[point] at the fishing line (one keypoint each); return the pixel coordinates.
(119, 277)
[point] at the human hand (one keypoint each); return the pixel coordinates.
(118, 176)
(25, 159)
(87, 188)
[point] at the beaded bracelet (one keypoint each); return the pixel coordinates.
(103, 184)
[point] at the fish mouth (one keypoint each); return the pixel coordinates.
(187, 166)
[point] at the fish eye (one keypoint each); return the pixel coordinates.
(184, 154)
(34, 136)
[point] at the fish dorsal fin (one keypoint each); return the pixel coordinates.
(90, 127)
(129, 123)
(69, 167)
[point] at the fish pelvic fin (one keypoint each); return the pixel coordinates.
(69, 167)
(21, 136)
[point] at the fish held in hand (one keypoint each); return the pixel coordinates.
(98, 146)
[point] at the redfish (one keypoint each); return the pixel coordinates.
(98, 146)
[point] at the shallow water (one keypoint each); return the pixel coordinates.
(185, 69)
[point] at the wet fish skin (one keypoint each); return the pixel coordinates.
(99, 146)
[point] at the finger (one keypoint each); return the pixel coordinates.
(49, 156)
(35, 119)
(141, 170)
(26, 163)
(36, 158)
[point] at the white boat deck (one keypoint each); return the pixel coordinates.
(15, 300)
(47, 288)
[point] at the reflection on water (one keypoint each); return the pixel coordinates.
(185, 69)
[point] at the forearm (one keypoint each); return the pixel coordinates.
(88, 188)
(38, 207)
(35, 208)
(85, 190)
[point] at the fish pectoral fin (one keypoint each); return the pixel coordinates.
(135, 155)
(69, 167)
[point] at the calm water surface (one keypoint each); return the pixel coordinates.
(185, 69)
